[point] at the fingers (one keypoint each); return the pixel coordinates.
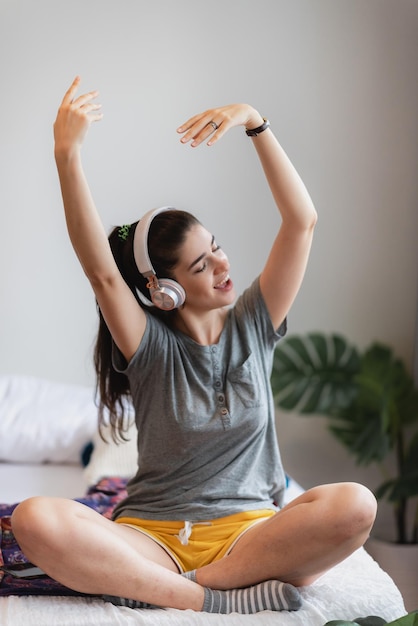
(74, 118)
(69, 94)
(211, 125)
(208, 126)
(92, 110)
(85, 101)
(83, 104)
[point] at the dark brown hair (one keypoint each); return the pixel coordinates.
(166, 235)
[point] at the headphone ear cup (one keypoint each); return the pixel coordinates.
(168, 295)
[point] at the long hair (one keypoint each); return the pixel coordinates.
(167, 233)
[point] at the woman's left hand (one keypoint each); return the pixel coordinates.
(212, 124)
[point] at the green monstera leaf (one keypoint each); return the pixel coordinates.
(407, 620)
(315, 374)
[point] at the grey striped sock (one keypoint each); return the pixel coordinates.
(132, 604)
(271, 595)
(190, 575)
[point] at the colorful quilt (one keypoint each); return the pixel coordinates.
(103, 497)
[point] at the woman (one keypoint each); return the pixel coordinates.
(206, 500)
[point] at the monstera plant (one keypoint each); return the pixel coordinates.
(371, 403)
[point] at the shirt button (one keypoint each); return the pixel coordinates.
(218, 384)
(224, 411)
(221, 398)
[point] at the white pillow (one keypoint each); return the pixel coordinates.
(42, 421)
(112, 459)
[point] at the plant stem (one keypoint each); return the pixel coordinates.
(415, 527)
(400, 517)
(401, 504)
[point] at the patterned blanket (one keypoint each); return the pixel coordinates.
(103, 497)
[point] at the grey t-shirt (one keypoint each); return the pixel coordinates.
(207, 445)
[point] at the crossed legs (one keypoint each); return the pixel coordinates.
(91, 554)
(306, 538)
(88, 553)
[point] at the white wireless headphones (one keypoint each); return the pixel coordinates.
(166, 294)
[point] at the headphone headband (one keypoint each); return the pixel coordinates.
(140, 243)
(165, 293)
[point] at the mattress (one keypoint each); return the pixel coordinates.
(44, 428)
(356, 587)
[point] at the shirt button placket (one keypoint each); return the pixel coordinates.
(226, 420)
(223, 411)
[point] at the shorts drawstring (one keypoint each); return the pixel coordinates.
(186, 531)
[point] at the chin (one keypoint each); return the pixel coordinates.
(230, 295)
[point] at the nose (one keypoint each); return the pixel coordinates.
(222, 262)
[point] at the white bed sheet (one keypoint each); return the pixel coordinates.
(357, 587)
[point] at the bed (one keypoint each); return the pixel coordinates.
(49, 445)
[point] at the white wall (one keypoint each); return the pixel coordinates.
(337, 78)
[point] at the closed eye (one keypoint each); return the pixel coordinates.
(204, 265)
(202, 268)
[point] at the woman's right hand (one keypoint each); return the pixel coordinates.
(74, 118)
(124, 317)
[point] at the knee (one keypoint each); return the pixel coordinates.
(29, 520)
(355, 512)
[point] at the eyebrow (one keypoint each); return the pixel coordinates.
(202, 256)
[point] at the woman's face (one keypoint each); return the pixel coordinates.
(203, 271)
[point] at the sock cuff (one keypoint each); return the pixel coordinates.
(208, 603)
(191, 575)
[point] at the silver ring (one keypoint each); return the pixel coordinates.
(214, 125)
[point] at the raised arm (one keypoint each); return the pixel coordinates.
(285, 268)
(124, 317)
(286, 264)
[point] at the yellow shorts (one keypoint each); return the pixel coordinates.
(194, 544)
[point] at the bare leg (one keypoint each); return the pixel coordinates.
(91, 554)
(310, 535)
(88, 553)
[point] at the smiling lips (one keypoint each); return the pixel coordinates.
(226, 282)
